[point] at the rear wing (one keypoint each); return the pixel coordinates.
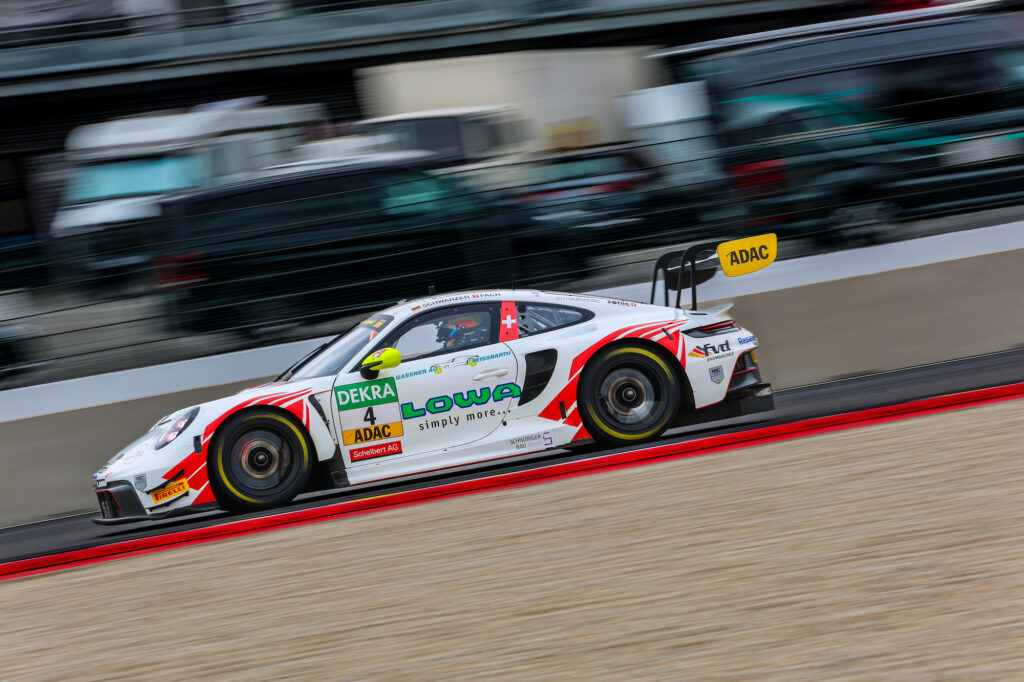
(697, 264)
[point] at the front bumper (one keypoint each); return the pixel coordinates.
(119, 503)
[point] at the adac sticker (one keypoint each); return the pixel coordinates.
(744, 256)
(368, 411)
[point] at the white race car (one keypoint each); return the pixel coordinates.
(452, 380)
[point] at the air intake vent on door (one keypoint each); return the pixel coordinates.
(539, 366)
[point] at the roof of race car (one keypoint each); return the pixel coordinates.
(491, 295)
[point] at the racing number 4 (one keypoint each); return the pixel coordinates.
(369, 418)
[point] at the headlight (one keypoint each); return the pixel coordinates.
(174, 425)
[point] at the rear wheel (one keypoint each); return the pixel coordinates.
(260, 459)
(628, 394)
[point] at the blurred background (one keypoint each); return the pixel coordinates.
(180, 178)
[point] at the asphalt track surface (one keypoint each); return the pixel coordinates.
(836, 397)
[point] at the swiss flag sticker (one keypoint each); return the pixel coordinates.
(509, 323)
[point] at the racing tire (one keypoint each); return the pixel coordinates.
(259, 459)
(628, 394)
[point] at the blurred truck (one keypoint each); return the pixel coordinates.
(120, 170)
(548, 127)
(322, 241)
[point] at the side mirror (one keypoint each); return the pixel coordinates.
(385, 358)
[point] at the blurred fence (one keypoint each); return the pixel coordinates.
(857, 325)
(230, 270)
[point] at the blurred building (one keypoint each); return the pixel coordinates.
(65, 63)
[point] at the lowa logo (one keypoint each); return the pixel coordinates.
(464, 399)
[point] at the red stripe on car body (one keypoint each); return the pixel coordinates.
(567, 395)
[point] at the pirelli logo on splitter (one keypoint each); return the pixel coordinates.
(368, 411)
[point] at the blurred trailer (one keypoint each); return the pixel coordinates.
(471, 109)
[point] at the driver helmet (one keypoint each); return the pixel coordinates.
(460, 332)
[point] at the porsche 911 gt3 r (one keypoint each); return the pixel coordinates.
(447, 381)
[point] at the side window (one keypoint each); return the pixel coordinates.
(946, 86)
(411, 195)
(296, 206)
(458, 197)
(439, 135)
(445, 331)
(478, 138)
(1009, 66)
(786, 125)
(335, 201)
(229, 158)
(537, 318)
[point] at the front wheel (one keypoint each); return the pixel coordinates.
(628, 394)
(260, 459)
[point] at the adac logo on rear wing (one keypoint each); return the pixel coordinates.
(697, 264)
(744, 256)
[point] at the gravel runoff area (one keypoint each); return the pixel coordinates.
(891, 551)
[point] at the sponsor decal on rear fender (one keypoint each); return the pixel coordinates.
(712, 351)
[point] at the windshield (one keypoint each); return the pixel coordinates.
(580, 168)
(439, 134)
(136, 177)
(332, 359)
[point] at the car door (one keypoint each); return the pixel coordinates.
(454, 386)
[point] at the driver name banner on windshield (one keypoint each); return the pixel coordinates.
(368, 411)
(375, 324)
